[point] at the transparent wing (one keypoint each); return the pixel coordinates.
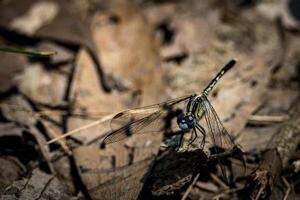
(128, 116)
(218, 134)
(133, 127)
(144, 119)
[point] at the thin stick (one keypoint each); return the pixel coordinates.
(288, 190)
(187, 192)
(260, 191)
(218, 181)
(213, 189)
(266, 119)
(52, 133)
(108, 117)
(226, 192)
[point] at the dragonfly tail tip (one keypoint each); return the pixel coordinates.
(234, 60)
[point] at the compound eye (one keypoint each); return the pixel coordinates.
(181, 118)
(183, 121)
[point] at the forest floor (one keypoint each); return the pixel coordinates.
(118, 55)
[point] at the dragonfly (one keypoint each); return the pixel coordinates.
(138, 120)
(151, 119)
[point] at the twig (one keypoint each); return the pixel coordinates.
(53, 134)
(213, 189)
(288, 188)
(266, 119)
(187, 192)
(226, 192)
(108, 117)
(218, 181)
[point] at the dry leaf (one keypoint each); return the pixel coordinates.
(11, 65)
(39, 186)
(89, 97)
(43, 86)
(120, 170)
(128, 50)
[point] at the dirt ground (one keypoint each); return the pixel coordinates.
(108, 56)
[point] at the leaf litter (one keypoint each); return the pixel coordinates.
(145, 53)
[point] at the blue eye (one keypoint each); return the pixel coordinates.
(185, 122)
(183, 126)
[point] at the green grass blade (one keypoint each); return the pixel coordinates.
(28, 52)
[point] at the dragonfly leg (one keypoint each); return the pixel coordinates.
(202, 131)
(193, 137)
(179, 144)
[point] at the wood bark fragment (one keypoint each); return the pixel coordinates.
(173, 172)
(279, 150)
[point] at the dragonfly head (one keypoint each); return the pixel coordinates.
(186, 121)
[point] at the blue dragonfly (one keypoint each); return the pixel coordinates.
(153, 119)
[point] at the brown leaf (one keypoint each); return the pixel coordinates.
(11, 65)
(39, 14)
(43, 86)
(48, 19)
(118, 171)
(10, 130)
(128, 50)
(257, 138)
(125, 57)
(17, 109)
(12, 10)
(15, 141)
(74, 30)
(63, 169)
(10, 170)
(39, 186)
(89, 97)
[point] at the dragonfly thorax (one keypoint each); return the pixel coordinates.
(193, 113)
(186, 121)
